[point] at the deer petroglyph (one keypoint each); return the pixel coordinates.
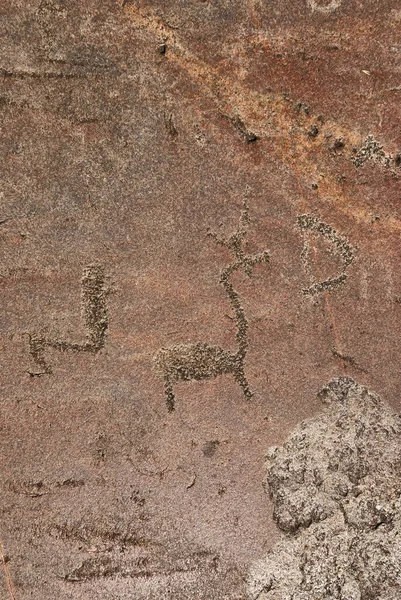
(187, 362)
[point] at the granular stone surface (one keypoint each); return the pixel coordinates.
(200, 226)
(336, 490)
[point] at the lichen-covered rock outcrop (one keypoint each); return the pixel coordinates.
(336, 486)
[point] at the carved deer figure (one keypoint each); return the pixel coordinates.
(186, 362)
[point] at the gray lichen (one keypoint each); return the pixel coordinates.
(372, 150)
(336, 489)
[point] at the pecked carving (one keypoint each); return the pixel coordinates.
(187, 362)
(338, 244)
(95, 316)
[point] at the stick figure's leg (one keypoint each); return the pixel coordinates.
(170, 398)
(240, 377)
(37, 346)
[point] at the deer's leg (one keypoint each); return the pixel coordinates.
(170, 398)
(240, 377)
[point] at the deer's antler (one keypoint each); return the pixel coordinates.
(250, 260)
(235, 243)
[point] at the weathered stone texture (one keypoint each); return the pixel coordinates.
(336, 490)
(131, 132)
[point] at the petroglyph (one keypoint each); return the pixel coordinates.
(105, 534)
(336, 489)
(94, 312)
(145, 567)
(114, 548)
(36, 489)
(187, 362)
(316, 5)
(339, 244)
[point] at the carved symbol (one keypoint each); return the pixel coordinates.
(339, 244)
(188, 362)
(118, 548)
(94, 311)
(328, 8)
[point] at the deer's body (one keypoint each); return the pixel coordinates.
(187, 362)
(195, 361)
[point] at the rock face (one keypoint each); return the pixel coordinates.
(336, 488)
(199, 227)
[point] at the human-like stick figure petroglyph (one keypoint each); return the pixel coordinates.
(186, 362)
(341, 246)
(94, 309)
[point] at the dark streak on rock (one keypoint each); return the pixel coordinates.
(240, 126)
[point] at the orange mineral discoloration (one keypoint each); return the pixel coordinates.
(273, 118)
(131, 130)
(9, 583)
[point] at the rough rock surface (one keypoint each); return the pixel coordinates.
(336, 488)
(132, 135)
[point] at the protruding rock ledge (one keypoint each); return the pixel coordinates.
(336, 486)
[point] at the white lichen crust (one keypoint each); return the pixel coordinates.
(336, 489)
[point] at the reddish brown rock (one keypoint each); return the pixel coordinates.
(129, 132)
